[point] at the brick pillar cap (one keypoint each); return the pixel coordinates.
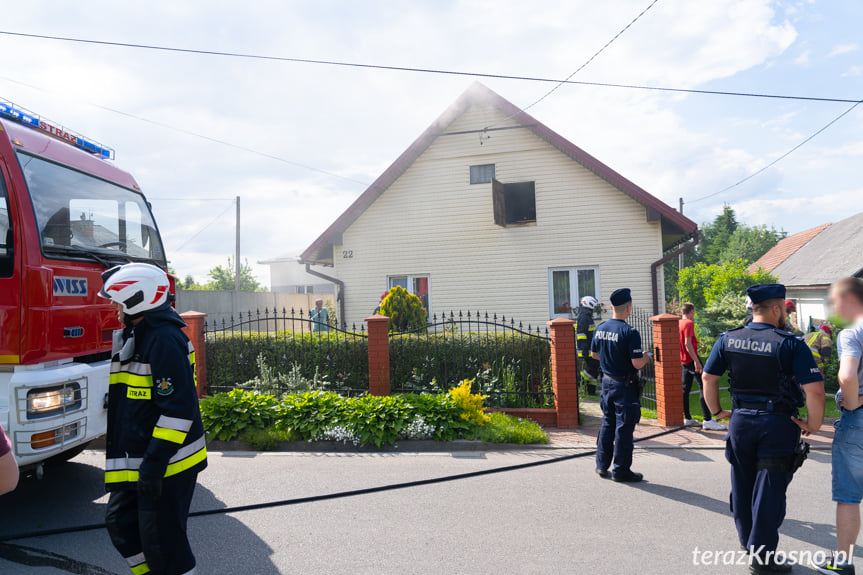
(376, 318)
(560, 321)
(665, 317)
(193, 314)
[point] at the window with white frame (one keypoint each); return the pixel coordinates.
(418, 285)
(566, 287)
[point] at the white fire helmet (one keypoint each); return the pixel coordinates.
(590, 302)
(748, 302)
(137, 287)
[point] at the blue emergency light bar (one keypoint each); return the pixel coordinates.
(22, 116)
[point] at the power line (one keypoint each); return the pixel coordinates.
(198, 135)
(426, 70)
(782, 157)
(213, 221)
(586, 63)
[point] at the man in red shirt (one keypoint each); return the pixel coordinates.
(692, 368)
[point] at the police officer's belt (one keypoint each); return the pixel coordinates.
(764, 406)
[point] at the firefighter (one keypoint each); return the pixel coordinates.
(820, 343)
(584, 329)
(791, 317)
(155, 444)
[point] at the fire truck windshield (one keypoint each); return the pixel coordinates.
(80, 215)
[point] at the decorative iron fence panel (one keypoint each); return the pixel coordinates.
(640, 320)
(509, 362)
(280, 352)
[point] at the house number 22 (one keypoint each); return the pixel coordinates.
(348, 254)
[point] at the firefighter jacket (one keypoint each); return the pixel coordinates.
(820, 344)
(584, 330)
(154, 423)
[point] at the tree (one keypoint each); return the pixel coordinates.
(222, 277)
(715, 236)
(750, 243)
(405, 310)
(719, 293)
(704, 284)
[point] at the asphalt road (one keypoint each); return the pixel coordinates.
(556, 518)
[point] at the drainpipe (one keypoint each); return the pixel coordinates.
(655, 265)
(340, 297)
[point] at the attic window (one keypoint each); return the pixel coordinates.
(514, 204)
(481, 174)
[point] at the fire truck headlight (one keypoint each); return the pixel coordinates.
(52, 401)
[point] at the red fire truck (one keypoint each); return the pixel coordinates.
(66, 214)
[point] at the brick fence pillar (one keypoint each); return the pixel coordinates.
(669, 390)
(194, 330)
(564, 376)
(379, 354)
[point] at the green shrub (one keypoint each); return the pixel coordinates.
(405, 310)
(226, 415)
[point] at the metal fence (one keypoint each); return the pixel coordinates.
(508, 362)
(287, 351)
(640, 320)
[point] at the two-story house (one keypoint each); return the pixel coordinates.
(490, 210)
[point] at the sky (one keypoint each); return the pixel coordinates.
(352, 123)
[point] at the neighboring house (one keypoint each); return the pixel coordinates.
(489, 210)
(808, 262)
(288, 275)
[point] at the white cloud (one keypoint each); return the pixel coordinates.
(842, 49)
(853, 72)
(355, 122)
(804, 59)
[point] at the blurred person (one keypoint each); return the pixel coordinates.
(8, 465)
(692, 368)
(846, 297)
(320, 317)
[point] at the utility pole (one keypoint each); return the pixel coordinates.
(680, 264)
(237, 254)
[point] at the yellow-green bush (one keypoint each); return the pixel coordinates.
(471, 404)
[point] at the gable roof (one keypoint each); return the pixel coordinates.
(674, 223)
(834, 253)
(784, 248)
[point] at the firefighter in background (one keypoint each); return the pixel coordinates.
(584, 329)
(748, 319)
(820, 343)
(155, 443)
(791, 317)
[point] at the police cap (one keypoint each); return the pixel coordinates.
(762, 292)
(621, 296)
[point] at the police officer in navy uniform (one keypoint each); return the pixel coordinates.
(769, 371)
(617, 346)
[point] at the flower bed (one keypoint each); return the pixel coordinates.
(265, 421)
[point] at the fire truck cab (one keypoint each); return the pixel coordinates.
(66, 214)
